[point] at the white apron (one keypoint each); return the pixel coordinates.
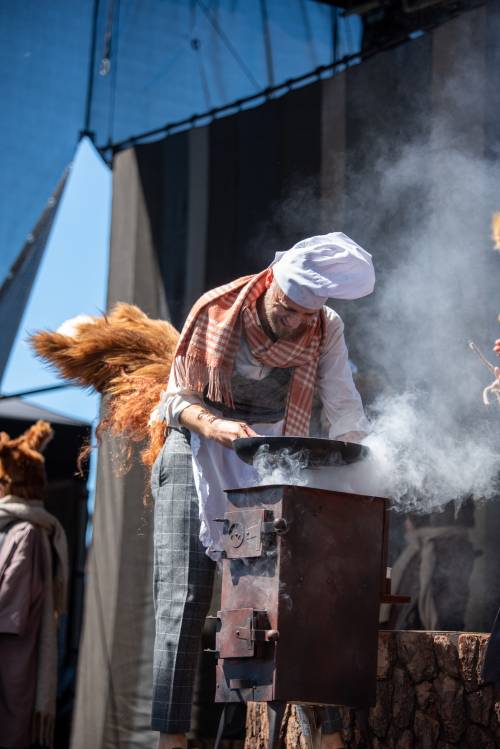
(217, 468)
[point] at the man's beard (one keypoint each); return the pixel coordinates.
(272, 325)
(289, 334)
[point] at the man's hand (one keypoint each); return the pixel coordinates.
(496, 347)
(351, 437)
(199, 419)
(225, 431)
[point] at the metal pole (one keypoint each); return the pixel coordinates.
(90, 78)
(267, 43)
(34, 391)
(334, 24)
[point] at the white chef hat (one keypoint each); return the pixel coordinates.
(323, 267)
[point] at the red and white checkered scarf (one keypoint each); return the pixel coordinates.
(210, 340)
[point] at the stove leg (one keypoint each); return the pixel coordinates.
(364, 726)
(220, 729)
(275, 713)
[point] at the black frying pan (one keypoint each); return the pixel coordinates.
(313, 451)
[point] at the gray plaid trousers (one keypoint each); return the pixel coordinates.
(183, 579)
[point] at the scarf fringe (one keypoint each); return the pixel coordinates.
(196, 376)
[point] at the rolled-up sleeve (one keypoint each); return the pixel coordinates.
(176, 399)
(341, 401)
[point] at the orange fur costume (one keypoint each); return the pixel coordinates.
(125, 356)
(22, 465)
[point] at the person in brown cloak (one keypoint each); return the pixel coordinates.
(33, 584)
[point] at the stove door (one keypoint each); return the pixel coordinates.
(250, 532)
(242, 633)
(234, 638)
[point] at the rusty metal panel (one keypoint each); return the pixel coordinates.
(329, 573)
(249, 680)
(320, 583)
(251, 582)
(242, 535)
(234, 637)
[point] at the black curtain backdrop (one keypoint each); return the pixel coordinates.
(258, 159)
(164, 174)
(387, 106)
(260, 162)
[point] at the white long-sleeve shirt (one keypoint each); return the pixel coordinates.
(217, 468)
(340, 400)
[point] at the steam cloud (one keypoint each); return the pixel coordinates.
(423, 207)
(435, 439)
(438, 287)
(282, 467)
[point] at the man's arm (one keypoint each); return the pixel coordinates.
(340, 399)
(186, 408)
(199, 419)
(351, 436)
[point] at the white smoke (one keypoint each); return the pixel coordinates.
(286, 467)
(425, 464)
(422, 204)
(280, 467)
(432, 436)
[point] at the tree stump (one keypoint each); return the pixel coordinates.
(430, 695)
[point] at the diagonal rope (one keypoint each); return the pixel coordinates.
(114, 73)
(268, 47)
(215, 24)
(309, 34)
(196, 45)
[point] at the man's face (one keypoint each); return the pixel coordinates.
(286, 318)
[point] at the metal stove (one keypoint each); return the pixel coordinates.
(304, 573)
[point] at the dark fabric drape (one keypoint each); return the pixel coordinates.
(264, 167)
(164, 175)
(387, 106)
(492, 93)
(16, 288)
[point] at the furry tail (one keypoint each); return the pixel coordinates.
(125, 356)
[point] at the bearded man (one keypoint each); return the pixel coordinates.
(250, 359)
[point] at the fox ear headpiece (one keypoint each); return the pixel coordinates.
(124, 355)
(22, 465)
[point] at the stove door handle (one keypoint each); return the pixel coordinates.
(266, 635)
(278, 526)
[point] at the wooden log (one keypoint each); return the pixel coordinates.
(430, 695)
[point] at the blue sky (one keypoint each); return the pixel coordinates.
(72, 280)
